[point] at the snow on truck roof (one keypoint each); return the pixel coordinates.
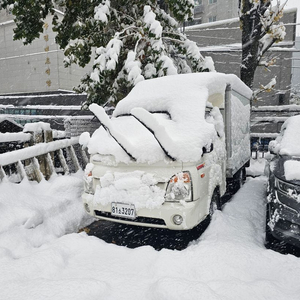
(163, 117)
(178, 91)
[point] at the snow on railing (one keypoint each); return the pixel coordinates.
(43, 160)
(14, 136)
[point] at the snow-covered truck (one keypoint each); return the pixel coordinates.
(163, 158)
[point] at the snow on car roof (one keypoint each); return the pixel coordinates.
(289, 141)
(180, 133)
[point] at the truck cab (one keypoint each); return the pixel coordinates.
(163, 158)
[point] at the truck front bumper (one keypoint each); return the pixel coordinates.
(161, 217)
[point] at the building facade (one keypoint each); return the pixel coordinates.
(222, 41)
(34, 84)
(37, 67)
(207, 11)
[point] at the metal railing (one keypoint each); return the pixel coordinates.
(43, 160)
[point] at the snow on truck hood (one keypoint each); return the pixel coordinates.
(162, 117)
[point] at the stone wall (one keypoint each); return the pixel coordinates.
(76, 126)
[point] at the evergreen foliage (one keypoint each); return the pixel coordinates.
(129, 41)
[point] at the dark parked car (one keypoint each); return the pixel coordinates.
(283, 206)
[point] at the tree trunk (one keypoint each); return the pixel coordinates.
(249, 64)
(251, 30)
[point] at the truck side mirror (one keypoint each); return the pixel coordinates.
(206, 150)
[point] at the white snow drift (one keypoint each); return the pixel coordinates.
(42, 256)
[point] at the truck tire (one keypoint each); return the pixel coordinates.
(239, 179)
(215, 203)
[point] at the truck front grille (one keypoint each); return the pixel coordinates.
(137, 219)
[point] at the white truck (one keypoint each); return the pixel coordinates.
(163, 158)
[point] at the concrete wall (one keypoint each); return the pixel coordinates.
(296, 68)
(37, 67)
(222, 41)
(221, 10)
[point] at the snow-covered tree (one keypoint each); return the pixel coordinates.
(261, 28)
(133, 40)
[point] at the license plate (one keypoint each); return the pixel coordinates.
(123, 210)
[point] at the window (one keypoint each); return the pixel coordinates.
(212, 1)
(212, 19)
(198, 2)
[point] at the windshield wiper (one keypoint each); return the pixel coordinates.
(136, 115)
(107, 129)
(106, 123)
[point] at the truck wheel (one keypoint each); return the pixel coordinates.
(239, 179)
(215, 202)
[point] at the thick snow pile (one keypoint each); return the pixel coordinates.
(141, 144)
(287, 143)
(135, 187)
(163, 116)
(292, 170)
(257, 167)
(42, 259)
(33, 214)
(179, 94)
(36, 127)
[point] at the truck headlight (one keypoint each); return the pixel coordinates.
(179, 187)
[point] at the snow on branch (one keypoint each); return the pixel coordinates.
(102, 11)
(168, 65)
(154, 27)
(265, 88)
(272, 32)
(133, 68)
(107, 58)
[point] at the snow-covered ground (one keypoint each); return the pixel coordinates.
(43, 257)
(257, 166)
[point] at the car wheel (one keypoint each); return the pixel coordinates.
(239, 179)
(272, 242)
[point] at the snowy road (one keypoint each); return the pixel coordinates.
(41, 256)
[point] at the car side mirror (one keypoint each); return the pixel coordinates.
(273, 149)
